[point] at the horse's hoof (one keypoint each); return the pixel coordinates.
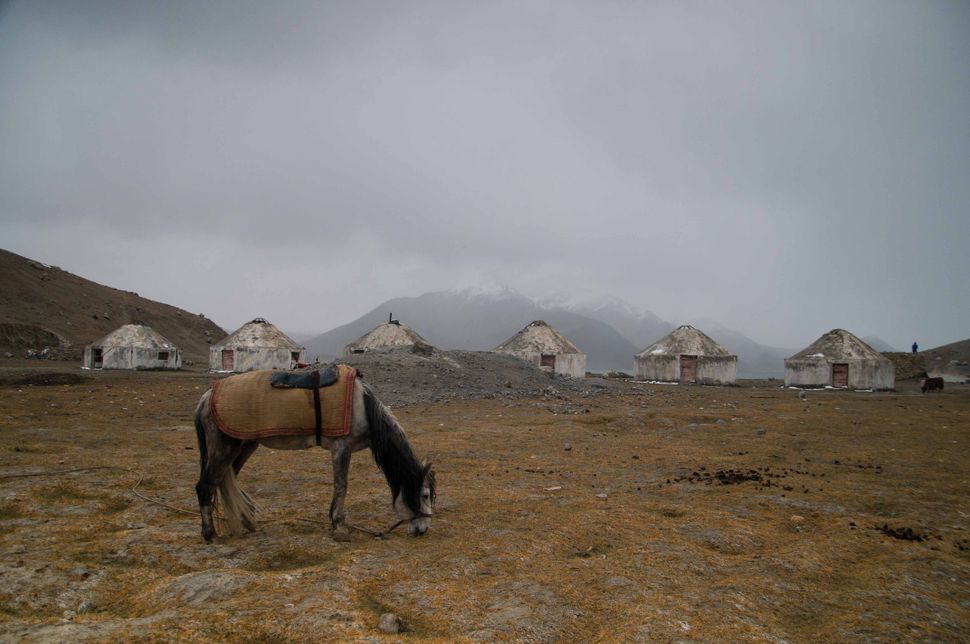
(341, 533)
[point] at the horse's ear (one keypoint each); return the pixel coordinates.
(425, 470)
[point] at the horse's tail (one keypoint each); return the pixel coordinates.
(237, 508)
(392, 452)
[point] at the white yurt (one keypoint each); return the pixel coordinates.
(392, 333)
(255, 345)
(547, 349)
(685, 355)
(132, 346)
(840, 360)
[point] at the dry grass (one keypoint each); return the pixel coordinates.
(630, 534)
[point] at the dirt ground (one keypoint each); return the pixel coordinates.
(630, 513)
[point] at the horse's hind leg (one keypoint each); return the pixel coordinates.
(213, 471)
(340, 456)
(204, 491)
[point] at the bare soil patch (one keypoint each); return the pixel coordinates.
(576, 513)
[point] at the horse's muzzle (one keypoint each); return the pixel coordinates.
(419, 526)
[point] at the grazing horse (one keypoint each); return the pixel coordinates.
(412, 482)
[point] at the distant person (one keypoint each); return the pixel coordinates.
(915, 347)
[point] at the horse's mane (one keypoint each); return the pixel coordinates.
(393, 454)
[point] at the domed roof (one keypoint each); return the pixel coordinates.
(135, 335)
(839, 344)
(389, 334)
(686, 340)
(538, 337)
(259, 333)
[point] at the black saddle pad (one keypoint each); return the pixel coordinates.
(304, 379)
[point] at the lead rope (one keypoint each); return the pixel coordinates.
(376, 535)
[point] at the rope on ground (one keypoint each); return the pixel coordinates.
(279, 519)
(156, 501)
(376, 535)
(56, 472)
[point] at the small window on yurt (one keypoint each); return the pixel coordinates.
(295, 356)
(163, 355)
(547, 360)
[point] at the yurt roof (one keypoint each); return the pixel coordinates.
(259, 333)
(389, 334)
(135, 335)
(686, 340)
(839, 344)
(538, 337)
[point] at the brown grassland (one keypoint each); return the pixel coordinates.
(662, 513)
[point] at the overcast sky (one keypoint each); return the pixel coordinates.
(782, 167)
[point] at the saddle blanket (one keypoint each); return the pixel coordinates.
(245, 406)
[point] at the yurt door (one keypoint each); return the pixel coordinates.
(840, 374)
(548, 361)
(227, 361)
(97, 358)
(688, 368)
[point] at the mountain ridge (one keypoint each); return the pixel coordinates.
(480, 319)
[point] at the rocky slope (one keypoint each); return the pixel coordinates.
(403, 377)
(909, 366)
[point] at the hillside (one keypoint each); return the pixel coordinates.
(44, 306)
(951, 361)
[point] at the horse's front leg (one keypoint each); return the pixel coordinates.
(340, 455)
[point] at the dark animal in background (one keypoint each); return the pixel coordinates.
(931, 384)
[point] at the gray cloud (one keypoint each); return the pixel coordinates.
(782, 167)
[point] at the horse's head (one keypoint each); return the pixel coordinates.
(418, 506)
